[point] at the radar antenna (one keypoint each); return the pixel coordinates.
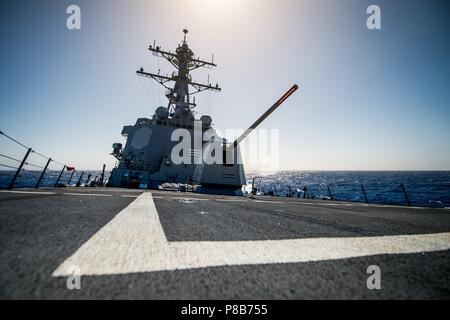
(184, 62)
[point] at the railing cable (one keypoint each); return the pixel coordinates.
(33, 165)
(33, 151)
(12, 139)
(5, 165)
(10, 158)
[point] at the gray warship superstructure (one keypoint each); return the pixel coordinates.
(147, 160)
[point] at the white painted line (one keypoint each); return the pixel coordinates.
(266, 201)
(86, 194)
(340, 204)
(358, 204)
(182, 198)
(134, 241)
(231, 200)
(30, 192)
(102, 189)
(394, 206)
(130, 242)
(128, 196)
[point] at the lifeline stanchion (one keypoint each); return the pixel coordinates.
(329, 192)
(43, 172)
(11, 184)
(404, 192)
(59, 177)
(79, 180)
(364, 192)
(71, 177)
(103, 176)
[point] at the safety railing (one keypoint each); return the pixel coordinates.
(335, 195)
(23, 166)
(393, 193)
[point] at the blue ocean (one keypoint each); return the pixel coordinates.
(29, 178)
(421, 188)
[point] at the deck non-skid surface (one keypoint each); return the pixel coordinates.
(134, 244)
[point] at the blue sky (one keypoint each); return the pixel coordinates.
(368, 100)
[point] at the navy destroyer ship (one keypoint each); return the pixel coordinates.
(69, 242)
(211, 163)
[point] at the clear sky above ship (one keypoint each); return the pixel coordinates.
(368, 99)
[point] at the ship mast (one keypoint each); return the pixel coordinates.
(184, 62)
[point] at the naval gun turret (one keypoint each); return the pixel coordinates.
(175, 147)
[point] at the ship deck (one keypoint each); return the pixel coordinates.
(170, 245)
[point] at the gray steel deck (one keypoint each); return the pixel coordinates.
(41, 228)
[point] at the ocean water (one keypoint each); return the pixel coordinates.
(29, 178)
(423, 188)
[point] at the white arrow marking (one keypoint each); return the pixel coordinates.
(134, 241)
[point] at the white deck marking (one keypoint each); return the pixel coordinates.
(134, 241)
(266, 201)
(247, 200)
(63, 193)
(107, 189)
(30, 192)
(87, 194)
(189, 198)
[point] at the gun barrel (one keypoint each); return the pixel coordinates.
(266, 114)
